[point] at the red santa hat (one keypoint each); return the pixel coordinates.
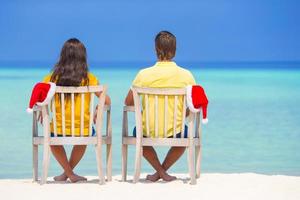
(42, 94)
(196, 99)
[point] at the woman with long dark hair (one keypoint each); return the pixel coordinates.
(71, 70)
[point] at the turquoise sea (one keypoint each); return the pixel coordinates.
(254, 119)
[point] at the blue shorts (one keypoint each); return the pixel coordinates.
(178, 135)
(60, 135)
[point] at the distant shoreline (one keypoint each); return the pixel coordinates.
(142, 64)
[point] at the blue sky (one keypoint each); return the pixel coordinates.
(119, 30)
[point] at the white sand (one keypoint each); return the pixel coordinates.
(209, 186)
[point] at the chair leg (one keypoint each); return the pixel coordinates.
(109, 162)
(98, 149)
(198, 161)
(124, 161)
(191, 161)
(35, 158)
(46, 158)
(138, 159)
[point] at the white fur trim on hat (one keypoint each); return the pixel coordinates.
(189, 100)
(50, 94)
(205, 121)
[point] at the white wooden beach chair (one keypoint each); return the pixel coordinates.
(192, 142)
(49, 115)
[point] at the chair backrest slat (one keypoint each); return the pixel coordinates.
(183, 118)
(175, 117)
(54, 117)
(82, 116)
(62, 103)
(72, 115)
(147, 114)
(91, 113)
(156, 116)
(166, 117)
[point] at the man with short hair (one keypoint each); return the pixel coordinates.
(164, 74)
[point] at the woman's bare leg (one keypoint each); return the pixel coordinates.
(61, 156)
(76, 155)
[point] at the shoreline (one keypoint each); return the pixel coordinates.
(209, 186)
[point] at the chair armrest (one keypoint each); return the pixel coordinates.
(35, 131)
(37, 108)
(107, 108)
(128, 108)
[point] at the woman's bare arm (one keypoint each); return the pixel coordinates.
(129, 99)
(107, 98)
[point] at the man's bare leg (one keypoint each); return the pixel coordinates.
(173, 155)
(151, 156)
(61, 156)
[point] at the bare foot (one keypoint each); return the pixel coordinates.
(167, 177)
(62, 177)
(75, 178)
(154, 177)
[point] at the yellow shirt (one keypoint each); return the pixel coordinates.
(163, 75)
(77, 101)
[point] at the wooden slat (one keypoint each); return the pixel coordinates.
(125, 123)
(108, 123)
(46, 151)
(160, 141)
(34, 124)
(82, 116)
(108, 147)
(138, 116)
(156, 116)
(54, 117)
(37, 108)
(147, 115)
(128, 108)
(166, 117)
(107, 107)
(83, 89)
(91, 114)
(160, 91)
(191, 125)
(35, 152)
(71, 140)
(183, 117)
(198, 128)
(72, 115)
(100, 113)
(175, 116)
(197, 124)
(62, 103)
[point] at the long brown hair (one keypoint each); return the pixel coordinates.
(72, 68)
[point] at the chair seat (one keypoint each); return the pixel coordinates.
(71, 140)
(183, 142)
